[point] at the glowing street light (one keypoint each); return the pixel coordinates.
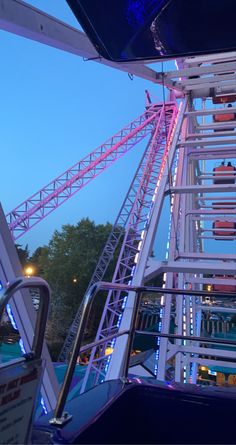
(29, 270)
(109, 350)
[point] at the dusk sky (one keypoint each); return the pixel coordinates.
(55, 109)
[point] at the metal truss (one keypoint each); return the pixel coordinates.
(38, 206)
(112, 241)
(193, 195)
(197, 203)
(201, 76)
(148, 179)
(194, 206)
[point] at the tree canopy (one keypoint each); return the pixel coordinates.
(67, 264)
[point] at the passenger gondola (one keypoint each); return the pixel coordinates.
(223, 287)
(224, 174)
(224, 229)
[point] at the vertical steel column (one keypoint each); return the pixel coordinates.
(177, 228)
(146, 248)
(139, 214)
(23, 311)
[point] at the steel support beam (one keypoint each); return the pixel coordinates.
(41, 204)
(26, 21)
(23, 311)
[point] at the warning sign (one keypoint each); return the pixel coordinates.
(19, 383)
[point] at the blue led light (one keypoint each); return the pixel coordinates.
(10, 315)
(124, 302)
(132, 271)
(212, 372)
(138, 11)
(22, 346)
(43, 406)
(107, 364)
(119, 320)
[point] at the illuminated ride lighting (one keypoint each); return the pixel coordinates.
(124, 302)
(43, 406)
(21, 344)
(141, 243)
(192, 365)
(109, 350)
(13, 323)
(169, 233)
(119, 320)
(10, 315)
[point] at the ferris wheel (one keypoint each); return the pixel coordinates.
(187, 166)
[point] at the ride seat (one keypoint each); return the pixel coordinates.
(224, 287)
(224, 117)
(221, 118)
(220, 171)
(224, 205)
(218, 227)
(223, 99)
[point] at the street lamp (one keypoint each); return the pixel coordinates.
(29, 270)
(109, 350)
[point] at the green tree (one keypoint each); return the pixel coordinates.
(39, 260)
(67, 264)
(23, 254)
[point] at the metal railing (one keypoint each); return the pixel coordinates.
(22, 283)
(60, 417)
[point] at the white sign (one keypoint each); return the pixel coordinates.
(19, 383)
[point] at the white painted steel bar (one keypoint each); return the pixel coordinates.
(212, 111)
(27, 21)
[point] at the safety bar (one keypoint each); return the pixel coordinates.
(188, 337)
(31, 282)
(61, 418)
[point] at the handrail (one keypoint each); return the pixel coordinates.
(159, 290)
(188, 337)
(61, 418)
(30, 282)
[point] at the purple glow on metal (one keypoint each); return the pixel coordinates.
(46, 200)
(140, 211)
(136, 379)
(109, 248)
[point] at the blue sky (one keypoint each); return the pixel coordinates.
(56, 108)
